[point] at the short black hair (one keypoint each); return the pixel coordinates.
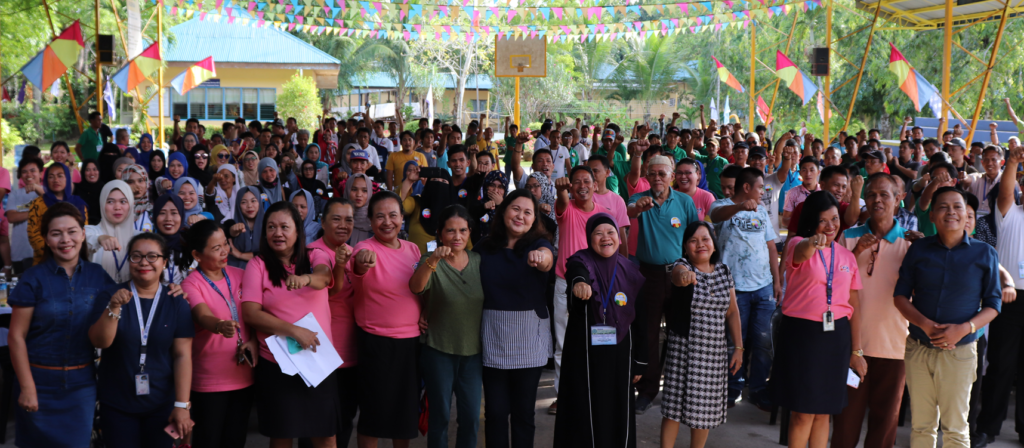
(94, 115)
(816, 203)
(456, 149)
(449, 212)
(30, 161)
(832, 171)
(485, 154)
(945, 166)
(747, 176)
(807, 159)
(600, 158)
(731, 172)
(363, 131)
(691, 229)
(579, 168)
(944, 190)
(542, 151)
(382, 196)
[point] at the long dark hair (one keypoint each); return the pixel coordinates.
(59, 210)
(275, 270)
(196, 238)
(814, 205)
(691, 229)
(497, 239)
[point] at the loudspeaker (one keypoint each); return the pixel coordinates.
(105, 48)
(819, 62)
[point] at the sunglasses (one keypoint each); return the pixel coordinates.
(223, 156)
(202, 156)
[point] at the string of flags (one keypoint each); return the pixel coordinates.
(322, 12)
(54, 60)
(793, 78)
(591, 32)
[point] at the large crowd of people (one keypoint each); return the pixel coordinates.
(711, 265)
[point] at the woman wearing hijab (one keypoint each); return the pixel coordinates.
(136, 178)
(168, 214)
(189, 190)
(141, 152)
(188, 142)
(157, 166)
(302, 199)
(120, 164)
(56, 188)
(198, 167)
(221, 192)
(271, 190)
(490, 196)
(250, 168)
(314, 154)
(220, 156)
(177, 167)
(357, 190)
(108, 242)
(89, 188)
(107, 159)
(245, 229)
(423, 210)
(308, 181)
(603, 355)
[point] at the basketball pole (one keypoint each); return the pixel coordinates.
(515, 114)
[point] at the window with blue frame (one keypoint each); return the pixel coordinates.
(225, 103)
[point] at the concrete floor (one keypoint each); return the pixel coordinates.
(747, 427)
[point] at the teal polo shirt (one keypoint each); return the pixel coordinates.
(91, 143)
(661, 228)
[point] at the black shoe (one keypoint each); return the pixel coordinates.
(979, 440)
(732, 404)
(643, 404)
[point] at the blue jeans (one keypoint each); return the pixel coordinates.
(444, 373)
(756, 309)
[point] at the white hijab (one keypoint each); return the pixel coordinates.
(123, 232)
(226, 199)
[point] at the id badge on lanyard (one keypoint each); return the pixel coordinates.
(142, 378)
(605, 334)
(827, 319)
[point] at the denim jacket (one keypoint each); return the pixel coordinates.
(59, 332)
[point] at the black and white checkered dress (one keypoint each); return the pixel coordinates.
(697, 364)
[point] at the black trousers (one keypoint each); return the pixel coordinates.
(1004, 346)
(133, 430)
(509, 400)
(224, 417)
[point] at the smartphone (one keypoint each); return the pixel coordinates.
(244, 355)
(172, 430)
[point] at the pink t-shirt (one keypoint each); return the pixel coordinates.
(343, 321)
(796, 196)
(806, 284)
(642, 185)
(616, 206)
(384, 305)
(572, 232)
(213, 356)
(702, 200)
(289, 306)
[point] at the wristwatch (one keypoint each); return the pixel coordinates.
(859, 353)
(186, 405)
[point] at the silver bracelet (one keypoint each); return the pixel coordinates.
(110, 313)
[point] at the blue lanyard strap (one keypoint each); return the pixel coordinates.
(606, 299)
(227, 299)
(119, 265)
(829, 273)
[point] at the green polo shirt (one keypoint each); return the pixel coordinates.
(620, 170)
(660, 240)
(714, 166)
(924, 222)
(510, 143)
(91, 143)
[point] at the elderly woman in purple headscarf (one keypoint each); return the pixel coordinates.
(604, 350)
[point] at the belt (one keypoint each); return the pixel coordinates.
(64, 368)
(667, 268)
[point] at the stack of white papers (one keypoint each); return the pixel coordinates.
(313, 367)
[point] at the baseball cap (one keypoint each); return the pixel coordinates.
(278, 122)
(958, 142)
(758, 151)
(359, 154)
(873, 154)
(608, 133)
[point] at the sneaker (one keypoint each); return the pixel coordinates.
(643, 404)
(553, 409)
(979, 440)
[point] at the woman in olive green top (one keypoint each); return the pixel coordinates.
(448, 280)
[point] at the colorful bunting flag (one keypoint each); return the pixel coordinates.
(912, 83)
(138, 69)
(795, 79)
(194, 75)
(763, 112)
(727, 77)
(51, 63)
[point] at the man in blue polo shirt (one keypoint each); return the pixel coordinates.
(662, 216)
(950, 277)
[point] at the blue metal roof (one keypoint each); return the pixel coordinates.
(384, 80)
(605, 72)
(198, 39)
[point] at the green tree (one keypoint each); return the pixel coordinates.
(649, 73)
(300, 99)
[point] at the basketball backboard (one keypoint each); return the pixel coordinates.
(526, 58)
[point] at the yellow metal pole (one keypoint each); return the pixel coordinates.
(67, 76)
(124, 43)
(1, 120)
(947, 50)
(99, 67)
(160, 76)
(789, 40)
(863, 61)
(752, 111)
(515, 116)
(988, 71)
(827, 83)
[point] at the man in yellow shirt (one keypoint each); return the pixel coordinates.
(395, 168)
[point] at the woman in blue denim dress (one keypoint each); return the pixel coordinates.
(49, 342)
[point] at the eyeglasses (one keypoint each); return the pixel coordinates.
(874, 254)
(223, 156)
(136, 257)
(202, 156)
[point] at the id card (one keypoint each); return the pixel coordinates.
(431, 246)
(1020, 269)
(827, 321)
(142, 384)
(602, 335)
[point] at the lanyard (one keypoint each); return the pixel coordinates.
(606, 299)
(227, 299)
(140, 222)
(829, 273)
(149, 321)
(120, 265)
